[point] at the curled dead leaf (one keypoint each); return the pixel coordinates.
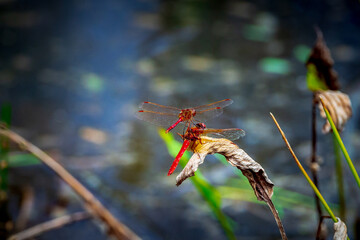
(340, 230)
(339, 107)
(237, 157)
(320, 57)
(259, 181)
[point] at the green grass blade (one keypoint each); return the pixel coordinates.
(341, 144)
(210, 194)
(4, 150)
(22, 160)
(284, 199)
(315, 189)
(339, 180)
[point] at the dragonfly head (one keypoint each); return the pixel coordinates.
(201, 125)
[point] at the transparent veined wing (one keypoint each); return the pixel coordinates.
(165, 115)
(154, 107)
(229, 133)
(218, 104)
(212, 110)
(158, 114)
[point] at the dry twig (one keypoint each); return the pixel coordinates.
(314, 164)
(340, 228)
(27, 205)
(119, 230)
(321, 62)
(50, 225)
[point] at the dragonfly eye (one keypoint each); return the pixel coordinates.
(201, 125)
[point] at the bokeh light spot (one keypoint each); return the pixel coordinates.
(274, 65)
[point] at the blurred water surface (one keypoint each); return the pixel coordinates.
(74, 73)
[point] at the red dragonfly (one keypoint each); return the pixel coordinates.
(165, 115)
(195, 133)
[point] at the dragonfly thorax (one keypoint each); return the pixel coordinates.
(187, 114)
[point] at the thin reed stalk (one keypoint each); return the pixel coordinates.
(315, 189)
(341, 144)
(50, 225)
(314, 165)
(115, 228)
(339, 180)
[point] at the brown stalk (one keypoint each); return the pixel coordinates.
(314, 165)
(319, 231)
(50, 225)
(26, 207)
(321, 58)
(340, 227)
(119, 230)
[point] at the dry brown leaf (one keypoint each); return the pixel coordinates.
(339, 107)
(320, 56)
(259, 181)
(237, 157)
(340, 230)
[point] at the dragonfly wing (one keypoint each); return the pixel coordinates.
(154, 107)
(157, 114)
(203, 116)
(158, 118)
(212, 110)
(218, 104)
(230, 133)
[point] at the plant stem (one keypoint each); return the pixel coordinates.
(50, 225)
(342, 146)
(339, 180)
(316, 190)
(314, 163)
(116, 228)
(5, 218)
(273, 210)
(4, 150)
